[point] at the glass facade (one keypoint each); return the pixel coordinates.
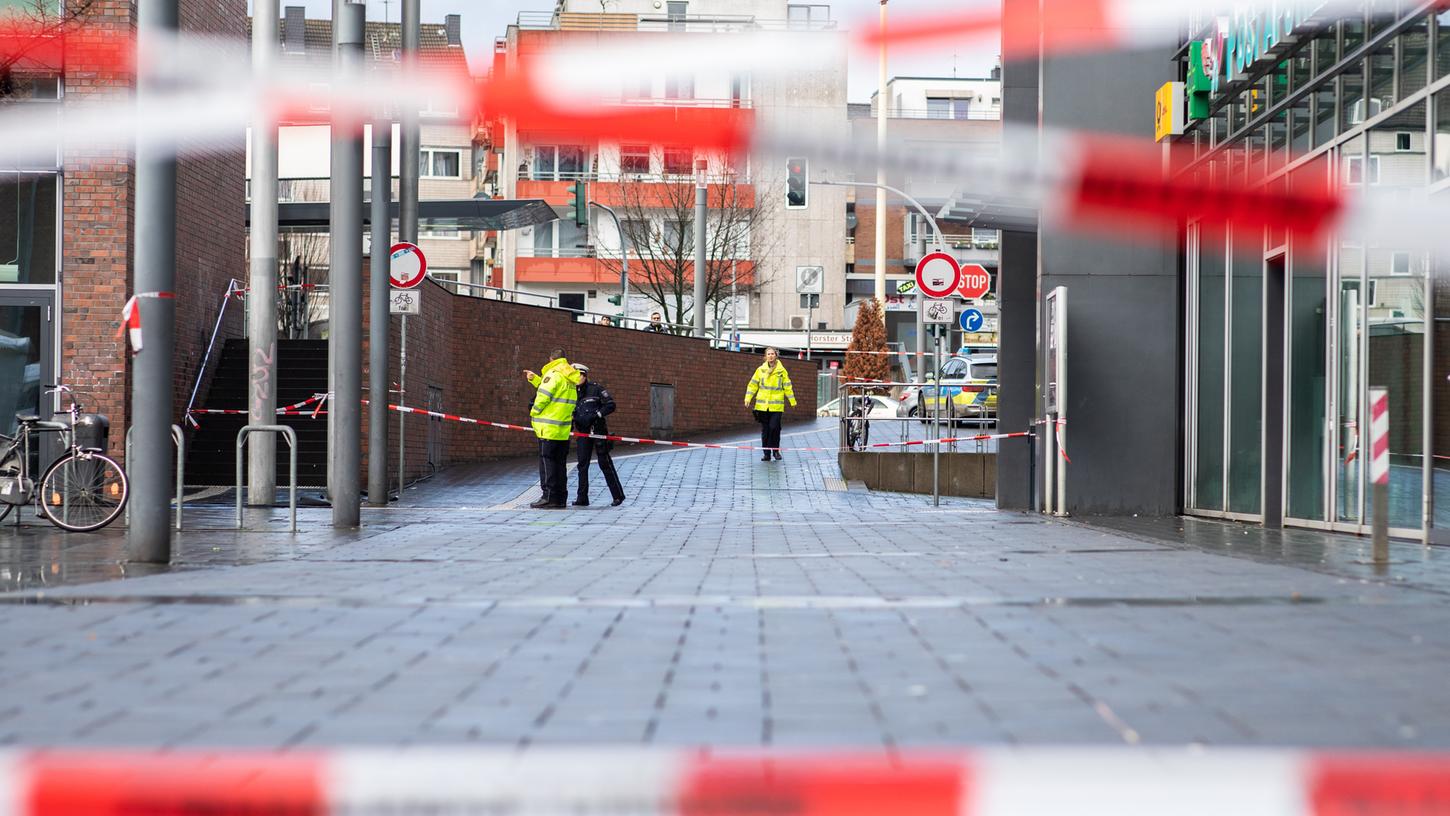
(1288, 334)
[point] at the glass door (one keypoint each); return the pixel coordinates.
(26, 357)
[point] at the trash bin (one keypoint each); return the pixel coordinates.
(92, 431)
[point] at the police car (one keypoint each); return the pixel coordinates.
(968, 391)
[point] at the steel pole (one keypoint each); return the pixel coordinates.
(262, 316)
(409, 134)
(345, 295)
(623, 264)
(936, 449)
(701, 193)
(148, 538)
(882, 101)
(378, 321)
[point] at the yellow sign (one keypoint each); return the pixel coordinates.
(1168, 111)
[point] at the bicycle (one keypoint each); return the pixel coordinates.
(858, 427)
(83, 489)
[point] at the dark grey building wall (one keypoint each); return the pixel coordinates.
(1017, 289)
(1124, 402)
(1124, 360)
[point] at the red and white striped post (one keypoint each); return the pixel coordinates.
(1379, 470)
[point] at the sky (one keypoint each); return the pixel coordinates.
(483, 20)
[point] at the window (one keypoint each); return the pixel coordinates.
(558, 162)
(675, 12)
(810, 301)
(954, 369)
(574, 301)
(446, 276)
(807, 16)
(441, 233)
(440, 163)
(679, 161)
(634, 159)
(947, 108)
(27, 230)
(1402, 142)
(675, 235)
(1400, 263)
(1354, 167)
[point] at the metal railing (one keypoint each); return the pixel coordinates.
(974, 113)
(656, 22)
(680, 175)
(935, 421)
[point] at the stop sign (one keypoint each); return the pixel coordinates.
(975, 281)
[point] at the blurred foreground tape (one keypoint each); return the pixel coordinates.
(635, 782)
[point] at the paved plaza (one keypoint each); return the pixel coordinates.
(729, 602)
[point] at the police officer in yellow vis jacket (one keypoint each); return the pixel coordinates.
(552, 417)
(767, 394)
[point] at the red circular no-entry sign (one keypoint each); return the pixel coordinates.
(976, 281)
(937, 275)
(406, 265)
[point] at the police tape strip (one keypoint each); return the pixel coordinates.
(286, 410)
(712, 446)
(581, 782)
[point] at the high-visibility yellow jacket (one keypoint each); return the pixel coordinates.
(552, 415)
(769, 389)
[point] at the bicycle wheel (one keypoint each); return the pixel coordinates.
(81, 492)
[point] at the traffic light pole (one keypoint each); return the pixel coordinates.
(941, 245)
(623, 263)
(344, 344)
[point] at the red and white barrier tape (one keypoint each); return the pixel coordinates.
(288, 410)
(713, 446)
(1042, 782)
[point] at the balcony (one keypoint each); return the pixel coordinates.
(664, 22)
(646, 190)
(584, 265)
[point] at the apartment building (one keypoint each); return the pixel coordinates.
(446, 162)
(754, 240)
(933, 114)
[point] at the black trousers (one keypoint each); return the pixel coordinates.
(553, 469)
(588, 448)
(769, 428)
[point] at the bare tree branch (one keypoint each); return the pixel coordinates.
(31, 26)
(658, 219)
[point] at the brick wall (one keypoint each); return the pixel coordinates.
(98, 195)
(210, 220)
(476, 350)
(97, 228)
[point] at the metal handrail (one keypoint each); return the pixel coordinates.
(233, 286)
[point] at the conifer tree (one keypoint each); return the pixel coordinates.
(869, 334)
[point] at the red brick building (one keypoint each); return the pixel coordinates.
(67, 248)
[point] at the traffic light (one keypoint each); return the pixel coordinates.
(579, 201)
(797, 180)
(614, 299)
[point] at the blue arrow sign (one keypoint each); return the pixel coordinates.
(972, 320)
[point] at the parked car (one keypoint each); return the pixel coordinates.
(880, 407)
(968, 392)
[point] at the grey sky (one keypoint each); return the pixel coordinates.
(483, 20)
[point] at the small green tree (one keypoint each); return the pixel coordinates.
(869, 335)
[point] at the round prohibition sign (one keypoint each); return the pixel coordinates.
(937, 275)
(407, 267)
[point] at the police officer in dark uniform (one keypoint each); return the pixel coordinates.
(595, 403)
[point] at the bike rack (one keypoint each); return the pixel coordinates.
(291, 437)
(178, 437)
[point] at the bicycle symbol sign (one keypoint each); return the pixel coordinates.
(937, 311)
(405, 302)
